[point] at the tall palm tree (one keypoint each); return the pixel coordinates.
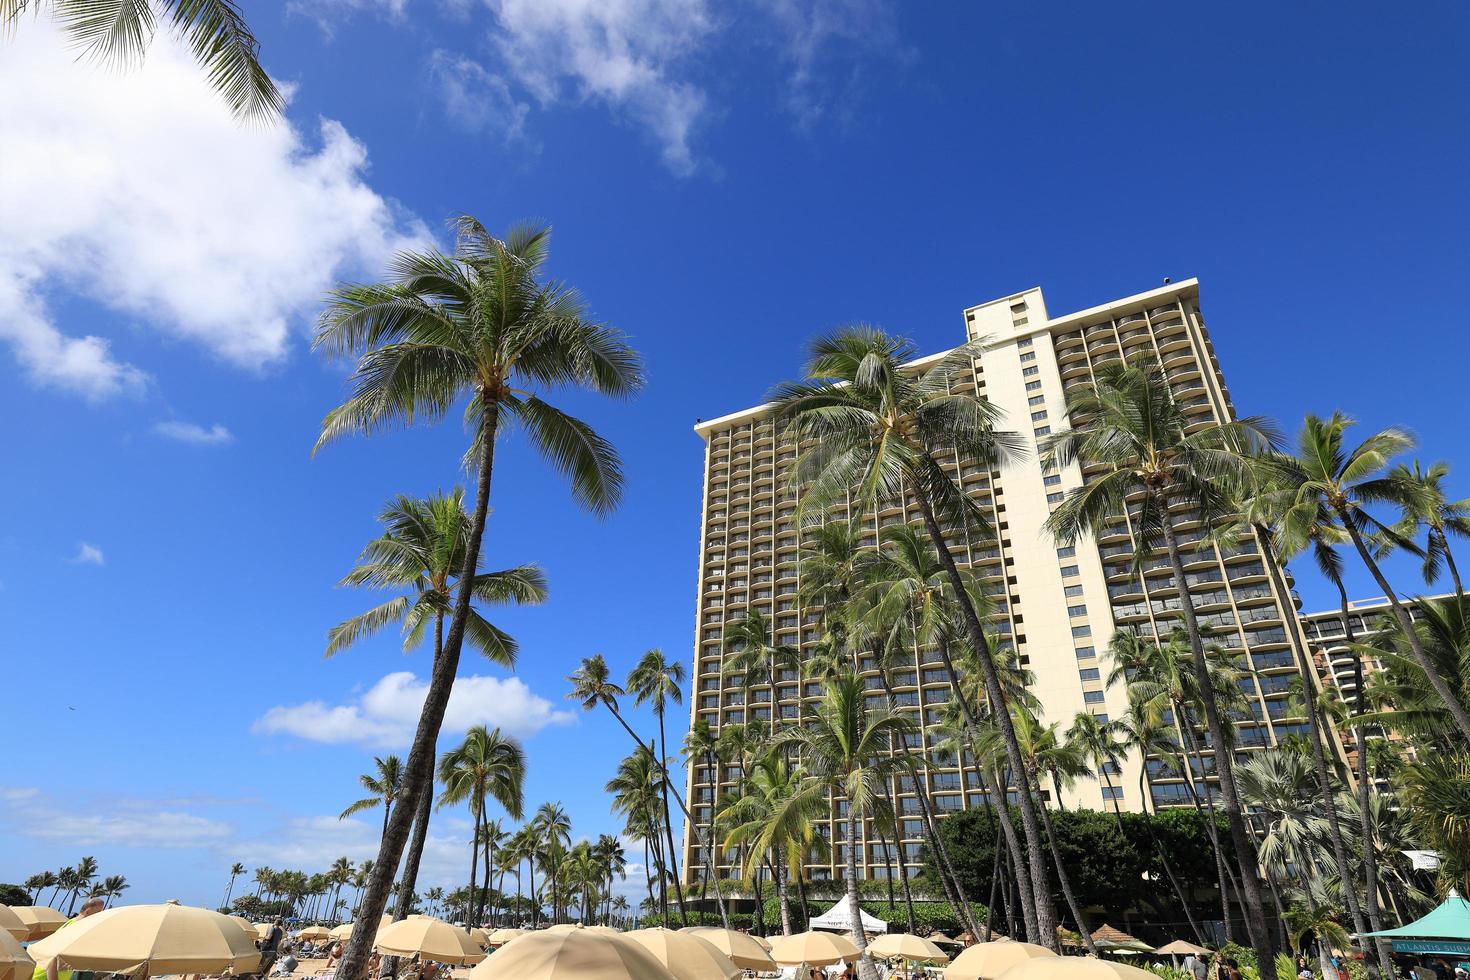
(1325, 472)
(38, 883)
(386, 787)
(1129, 423)
(634, 789)
(592, 686)
(554, 828)
(657, 681)
(777, 816)
(236, 870)
(478, 324)
(112, 888)
(120, 31)
(846, 751)
(81, 879)
(1425, 506)
(485, 766)
(878, 430)
(701, 746)
(421, 554)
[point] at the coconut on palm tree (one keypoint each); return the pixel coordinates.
(478, 326)
(878, 428)
(1129, 427)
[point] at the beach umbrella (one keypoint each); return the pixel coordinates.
(685, 954)
(1179, 947)
(571, 954)
(344, 931)
(605, 930)
(245, 925)
(11, 924)
(1117, 941)
(744, 950)
(145, 940)
(1075, 968)
(940, 939)
(812, 948)
(430, 938)
(313, 932)
(985, 961)
(40, 920)
(762, 942)
(502, 936)
(15, 963)
(901, 945)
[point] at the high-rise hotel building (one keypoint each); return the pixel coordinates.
(1056, 606)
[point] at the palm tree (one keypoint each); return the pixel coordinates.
(657, 681)
(477, 323)
(236, 870)
(38, 883)
(112, 888)
(846, 750)
(701, 746)
(81, 879)
(120, 31)
(386, 787)
(635, 792)
(592, 686)
(1425, 506)
(877, 431)
(611, 861)
(421, 553)
(485, 766)
(1129, 424)
(1325, 473)
(777, 816)
(554, 828)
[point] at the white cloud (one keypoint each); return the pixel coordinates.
(139, 191)
(477, 99)
(386, 715)
(88, 554)
(825, 44)
(30, 814)
(193, 434)
(627, 54)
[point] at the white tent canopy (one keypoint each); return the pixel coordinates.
(837, 919)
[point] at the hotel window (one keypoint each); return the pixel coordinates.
(1084, 652)
(1030, 372)
(1036, 400)
(1112, 792)
(1038, 416)
(1054, 498)
(1092, 697)
(1067, 552)
(1081, 631)
(1089, 674)
(1076, 610)
(1043, 430)
(1073, 590)
(1033, 386)
(1069, 570)
(1025, 342)
(1051, 480)
(1030, 355)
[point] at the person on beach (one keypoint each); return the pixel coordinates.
(50, 971)
(270, 946)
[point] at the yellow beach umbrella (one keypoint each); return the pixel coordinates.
(15, 963)
(571, 954)
(762, 942)
(314, 932)
(1076, 968)
(744, 950)
(563, 927)
(11, 924)
(605, 930)
(685, 954)
(502, 936)
(902, 945)
(245, 925)
(40, 920)
(145, 940)
(344, 931)
(430, 938)
(985, 961)
(480, 936)
(812, 948)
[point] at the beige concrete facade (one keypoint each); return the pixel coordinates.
(1057, 606)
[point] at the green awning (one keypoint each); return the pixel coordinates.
(1450, 921)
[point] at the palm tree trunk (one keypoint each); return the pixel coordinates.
(866, 971)
(1449, 560)
(1255, 913)
(1199, 937)
(1062, 877)
(783, 893)
(353, 965)
(469, 911)
(1441, 687)
(1024, 881)
(1319, 755)
(1040, 880)
(415, 855)
(1365, 818)
(994, 877)
(1189, 746)
(669, 825)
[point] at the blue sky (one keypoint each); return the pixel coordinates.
(724, 181)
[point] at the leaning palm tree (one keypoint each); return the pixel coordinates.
(1425, 506)
(878, 431)
(236, 870)
(112, 888)
(120, 31)
(657, 681)
(38, 883)
(1326, 473)
(846, 751)
(385, 786)
(477, 325)
(421, 555)
(485, 766)
(1128, 424)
